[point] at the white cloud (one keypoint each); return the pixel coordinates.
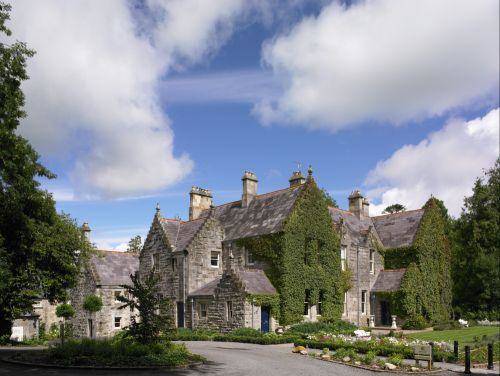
(93, 94)
(445, 165)
(384, 60)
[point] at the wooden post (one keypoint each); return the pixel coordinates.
(490, 355)
(467, 360)
(455, 349)
(431, 363)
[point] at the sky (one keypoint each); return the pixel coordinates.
(131, 103)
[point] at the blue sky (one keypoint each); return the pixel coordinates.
(260, 88)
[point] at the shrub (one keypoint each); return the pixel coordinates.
(396, 359)
(65, 311)
(323, 326)
(246, 332)
(92, 303)
(447, 325)
(342, 353)
(418, 322)
(369, 358)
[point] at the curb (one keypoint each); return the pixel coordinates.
(45, 365)
(379, 370)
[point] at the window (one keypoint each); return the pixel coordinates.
(345, 303)
(229, 310)
(174, 264)
(250, 259)
(320, 302)
(372, 261)
(307, 302)
(117, 293)
(363, 302)
(202, 309)
(118, 322)
(214, 259)
(343, 257)
(155, 260)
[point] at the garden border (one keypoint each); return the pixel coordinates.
(59, 366)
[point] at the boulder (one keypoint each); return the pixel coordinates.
(390, 366)
(303, 352)
(346, 359)
(298, 349)
(414, 369)
(326, 357)
(357, 362)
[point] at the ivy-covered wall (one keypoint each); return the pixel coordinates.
(304, 256)
(426, 287)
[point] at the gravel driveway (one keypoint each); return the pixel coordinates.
(226, 359)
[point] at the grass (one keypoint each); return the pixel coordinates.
(465, 336)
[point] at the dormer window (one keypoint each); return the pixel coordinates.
(214, 259)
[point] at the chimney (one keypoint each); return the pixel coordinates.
(356, 203)
(366, 207)
(249, 188)
(296, 179)
(199, 200)
(86, 231)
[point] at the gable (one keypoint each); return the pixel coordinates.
(398, 229)
(114, 268)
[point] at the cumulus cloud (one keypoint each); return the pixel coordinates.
(93, 94)
(384, 60)
(445, 165)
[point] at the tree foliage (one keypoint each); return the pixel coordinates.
(92, 303)
(304, 259)
(394, 208)
(154, 310)
(39, 249)
(65, 310)
(135, 244)
(330, 201)
(476, 266)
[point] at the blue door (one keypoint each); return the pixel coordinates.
(264, 319)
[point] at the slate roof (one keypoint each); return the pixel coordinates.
(358, 227)
(398, 229)
(254, 282)
(388, 280)
(113, 268)
(264, 215)
(180, 233)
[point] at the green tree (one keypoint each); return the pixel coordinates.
(394, 208)
(92, 303)
(39, 249)
(154, 310)
(330, 201)
(65, 311)
(476, 261)
(135, 244)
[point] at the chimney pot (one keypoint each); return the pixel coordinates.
(356, 200)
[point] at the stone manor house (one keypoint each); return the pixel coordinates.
(211, 279)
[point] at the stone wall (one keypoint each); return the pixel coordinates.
(85, 286)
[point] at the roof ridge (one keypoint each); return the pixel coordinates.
(398, 213)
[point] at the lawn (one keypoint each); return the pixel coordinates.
(464, 336)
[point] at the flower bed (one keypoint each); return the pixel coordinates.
(112, 353)
(385, 346)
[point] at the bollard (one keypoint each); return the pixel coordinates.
(455, 349)
(490, 356)
(467, 360)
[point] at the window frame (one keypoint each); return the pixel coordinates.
(173, 264)
(200, 310)
(363, 301)
(343, 260)
(155, 260)
(250, 260)
(345, 304)
(120, 293)
(119, 322)
(229, 310)
(372, 261)
(212, 258)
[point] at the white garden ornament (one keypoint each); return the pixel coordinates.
(463, 322)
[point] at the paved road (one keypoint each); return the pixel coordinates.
(226, 359)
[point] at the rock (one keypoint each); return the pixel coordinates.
(357, 362)
(303, 352)
(326, 357)
(390, 366)
(298, 349)
(414, 369)
(346, 359)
